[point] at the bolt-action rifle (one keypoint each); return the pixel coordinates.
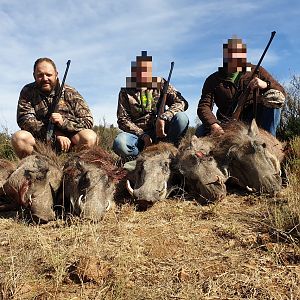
(161, 108)
(53, 108)
(238, 105)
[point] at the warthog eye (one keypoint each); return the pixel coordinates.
(165, 167)
(84, 181)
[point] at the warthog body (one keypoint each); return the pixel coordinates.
(7, 194)
(201, 173)
(89, 183)
(251, 156)
(35, 183)
(152, 177)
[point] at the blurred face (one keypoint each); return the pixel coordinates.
(234, 56)
(143, 72)
(45, 77)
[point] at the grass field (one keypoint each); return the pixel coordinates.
(242, 247)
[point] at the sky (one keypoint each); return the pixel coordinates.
(101, 38)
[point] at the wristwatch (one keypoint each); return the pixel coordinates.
(164, 117)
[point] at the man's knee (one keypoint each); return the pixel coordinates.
(86, 137)
(22, 142)
(120, 144)
(125, 144)
(182, 118)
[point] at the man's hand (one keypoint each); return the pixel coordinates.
(160, 128)
(64, 142)
(216, 129)
(56, 118)
(257, 83)
(147, 140)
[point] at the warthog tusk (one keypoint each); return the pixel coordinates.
(162, 191)
(72, 200)
(80, 203)
(108, 206)
(129, 188)
(30, 200)
(249, 189)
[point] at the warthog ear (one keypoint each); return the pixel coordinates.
(253, 129)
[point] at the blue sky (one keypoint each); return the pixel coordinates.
(102, 38)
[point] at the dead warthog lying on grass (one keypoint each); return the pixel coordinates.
(7, 195)
(89, 183)
(152, 177)
(251, 157)
(35, 182)
(202, 176)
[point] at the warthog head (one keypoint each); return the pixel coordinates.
(6, 168)
(201, 173)
(249, 159)
(88, 184)
(35, 182)
(152, 175)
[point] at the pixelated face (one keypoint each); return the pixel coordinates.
(45, 77)
(234, 55)
(143, 72)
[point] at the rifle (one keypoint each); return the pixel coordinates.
(242, 99)
(50, 127)
(162, 105)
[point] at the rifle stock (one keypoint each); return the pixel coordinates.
(50, 128)
(242, 99)
(162, 105)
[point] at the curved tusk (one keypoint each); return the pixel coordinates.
(72, 201)
(249, 189)
(80, 203)
(161, 192)
(30, 200)
(108, 206)
(129, 188)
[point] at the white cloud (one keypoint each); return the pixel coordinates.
(103, 37)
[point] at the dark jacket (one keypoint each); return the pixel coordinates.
(217, 90)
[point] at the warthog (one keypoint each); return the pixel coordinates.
(7, 195)
(202, 176)
(152, 176)
(251, 156)
(89, 183)
(35, 181)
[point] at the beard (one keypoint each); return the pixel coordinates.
(46, 87)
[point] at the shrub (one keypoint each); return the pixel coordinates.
(290, 116)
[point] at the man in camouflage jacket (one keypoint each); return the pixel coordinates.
(137, 111)
(232, 79)
(72, 118)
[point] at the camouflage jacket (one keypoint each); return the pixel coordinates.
(34, 107)
(137, 112)
(218, 90)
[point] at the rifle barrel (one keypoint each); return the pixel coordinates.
(164, 92)
(239, 104)
(50, 128)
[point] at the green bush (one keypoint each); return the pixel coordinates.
(106, 135)
(290, 116)
(6, 150)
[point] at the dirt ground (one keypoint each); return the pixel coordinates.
(175, 250)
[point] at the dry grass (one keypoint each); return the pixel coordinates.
(175, 250)
(238, 248)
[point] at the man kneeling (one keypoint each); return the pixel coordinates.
(72, 117)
